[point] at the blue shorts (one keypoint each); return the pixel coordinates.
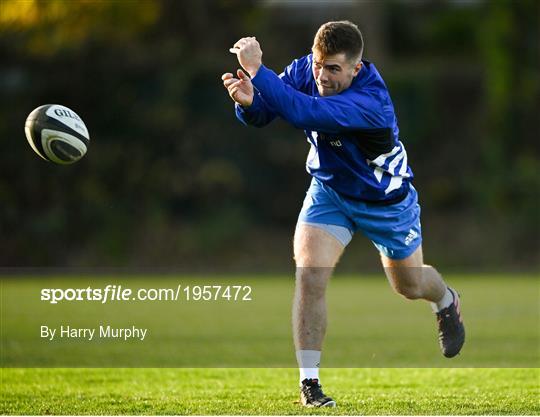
(394, 229)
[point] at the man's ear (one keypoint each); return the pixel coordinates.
(357, 68)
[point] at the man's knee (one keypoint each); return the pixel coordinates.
(311, 281)
(410, 291)
(406, 281)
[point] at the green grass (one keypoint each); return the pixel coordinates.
(380, 356)
(268, 391)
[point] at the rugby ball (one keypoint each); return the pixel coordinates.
(57, 134)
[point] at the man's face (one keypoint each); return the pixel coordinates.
(333, 73)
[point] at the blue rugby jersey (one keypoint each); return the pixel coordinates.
(355, 147)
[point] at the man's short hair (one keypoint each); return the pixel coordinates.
(339, 37)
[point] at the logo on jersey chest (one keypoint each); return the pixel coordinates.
(333, 141)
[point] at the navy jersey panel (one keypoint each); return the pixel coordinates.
(354, 135)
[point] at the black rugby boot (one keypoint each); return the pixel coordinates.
(451, 329)
(311, 394)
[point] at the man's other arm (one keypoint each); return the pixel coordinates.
(260, 113)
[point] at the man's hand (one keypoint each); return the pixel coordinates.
(240, 89)
(249, 54)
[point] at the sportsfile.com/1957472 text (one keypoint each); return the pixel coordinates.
(111, 293)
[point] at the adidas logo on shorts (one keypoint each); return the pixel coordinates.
(410, 237)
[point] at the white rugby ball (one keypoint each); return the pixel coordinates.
(57, 134)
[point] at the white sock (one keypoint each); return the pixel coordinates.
(446, 301)
(308, 362)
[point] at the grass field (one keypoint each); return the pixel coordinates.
(380, 356)
(268, 391)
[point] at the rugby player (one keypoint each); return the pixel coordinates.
(361, 181)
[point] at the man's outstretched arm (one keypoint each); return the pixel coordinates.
(346, 111)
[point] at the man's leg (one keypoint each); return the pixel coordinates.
(413, 279)
(316, 252)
